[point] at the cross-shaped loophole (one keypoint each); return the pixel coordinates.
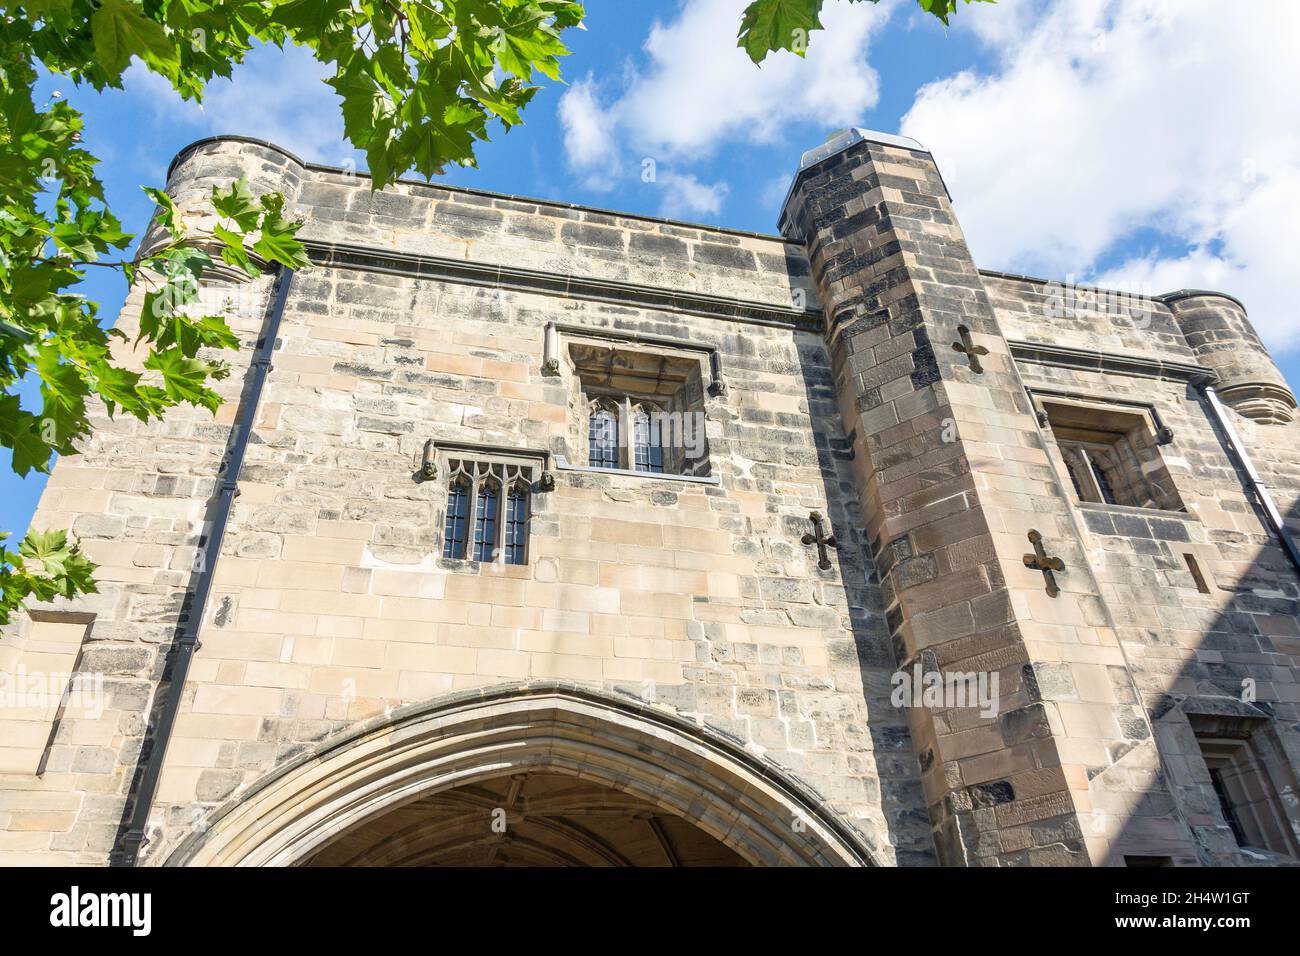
(968, 347)
(1040, 561)
(819, 538)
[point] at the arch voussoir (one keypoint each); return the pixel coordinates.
(684, 770)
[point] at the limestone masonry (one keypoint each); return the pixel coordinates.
(564, 536)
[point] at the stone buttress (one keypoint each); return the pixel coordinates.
(954, 479)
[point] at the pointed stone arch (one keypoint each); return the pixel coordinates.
(685, 770)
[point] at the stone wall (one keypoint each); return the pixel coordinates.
(136, 498)
(332, 603)
(1185, 650)
(1091, 757)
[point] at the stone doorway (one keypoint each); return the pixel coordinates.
(582, 777)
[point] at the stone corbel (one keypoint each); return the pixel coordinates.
(551, 350)
(717, 387)
(428, 467)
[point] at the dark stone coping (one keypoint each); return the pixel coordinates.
(51, 614)
(828, 151)
(617, 335)
(716, 386)
(1166, 299)
(1171, 297)
(609, 291)
(1060, 356)
(185, 151)
(1219, 706)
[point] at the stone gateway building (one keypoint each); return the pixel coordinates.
(534, 534)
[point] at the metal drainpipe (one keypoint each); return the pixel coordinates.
(188, 641)
(1252, 474)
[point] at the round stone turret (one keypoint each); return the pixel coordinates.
(1217, 329)
(219, 161)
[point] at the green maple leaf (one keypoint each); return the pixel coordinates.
(16, 332)
(169, 215)
(309, 17)
(67, 571)
(185, 378)
(233, 251)
(236, 202)
(214, 333)
(278, 241)
(524, 46)
(20, 431)
(117, 386)
(35, 283)
(47, 547)
(60, 380)
(769, 25)
(78, 574)
(943, 9)
(121, 30)
(183, 265)
(69, 237)
(57, 10)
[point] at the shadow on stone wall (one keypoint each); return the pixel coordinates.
(887, 741)
(1227, 689)
(165, 662)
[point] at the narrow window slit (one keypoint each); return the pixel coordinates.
(1197, 575)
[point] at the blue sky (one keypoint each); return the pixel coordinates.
(1134, 143)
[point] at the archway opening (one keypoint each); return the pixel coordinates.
(532, 819)
(579, 775)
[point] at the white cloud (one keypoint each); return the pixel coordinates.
(588, 133)
(700, 88)
(685, 196)
(1103, 117)
(696, 91)
(274, 95)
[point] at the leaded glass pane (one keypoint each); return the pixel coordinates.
(602, 439)
(516, 526)
(485, 523)
(453, 536)
(648, 438)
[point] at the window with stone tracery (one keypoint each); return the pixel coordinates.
(487, 511)
(516, 537)
(1095, 468)
(638, 407)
